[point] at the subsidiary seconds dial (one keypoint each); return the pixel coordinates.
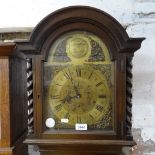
(80, 94)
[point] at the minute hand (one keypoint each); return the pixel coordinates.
(75, 88)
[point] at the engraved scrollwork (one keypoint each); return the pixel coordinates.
(106, 122)
(60, 54)
(106, 70)
(96, 52)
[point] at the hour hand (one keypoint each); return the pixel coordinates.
(76, 89)
(67, 99)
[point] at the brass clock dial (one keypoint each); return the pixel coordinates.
(79, 93)
(78, 82)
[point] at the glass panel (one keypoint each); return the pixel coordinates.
(78, 84)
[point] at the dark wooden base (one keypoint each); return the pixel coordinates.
(79, 150)
(21, 150)
(79, 147)
(77, 153)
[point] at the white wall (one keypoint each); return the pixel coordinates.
(19, 13)
(138, 17)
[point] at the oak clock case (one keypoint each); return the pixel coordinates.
(80, 67)
(78, 85)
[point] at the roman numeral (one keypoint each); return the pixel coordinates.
(91, 116)
(78, 72)
(99, 107)
(102, 96)
(98, 84)
(67, 115)
(79, 119)
(68, 75)
(58, 107)
(55, 97)
(90, 75)
(58, 84)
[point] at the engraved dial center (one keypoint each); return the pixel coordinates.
(81, 95)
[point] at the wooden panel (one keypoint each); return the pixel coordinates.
(6, 49)
(18, 98)
(13, 121)
(77, 153)
(85, 147)
(4, 103)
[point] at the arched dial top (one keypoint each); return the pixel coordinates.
(78, 82)
(78, 47)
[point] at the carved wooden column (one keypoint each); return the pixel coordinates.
(11, 132)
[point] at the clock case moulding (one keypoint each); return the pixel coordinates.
(35, 51)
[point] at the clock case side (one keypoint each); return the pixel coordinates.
(104, 26)
(13, 110)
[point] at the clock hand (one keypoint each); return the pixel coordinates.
(71, 79)
(77, 91)
(68, 98)
(77, 96)
(75, 88)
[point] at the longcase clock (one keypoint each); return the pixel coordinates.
(79, 62)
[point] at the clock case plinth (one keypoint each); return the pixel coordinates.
(80, 147)
(121, 48)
